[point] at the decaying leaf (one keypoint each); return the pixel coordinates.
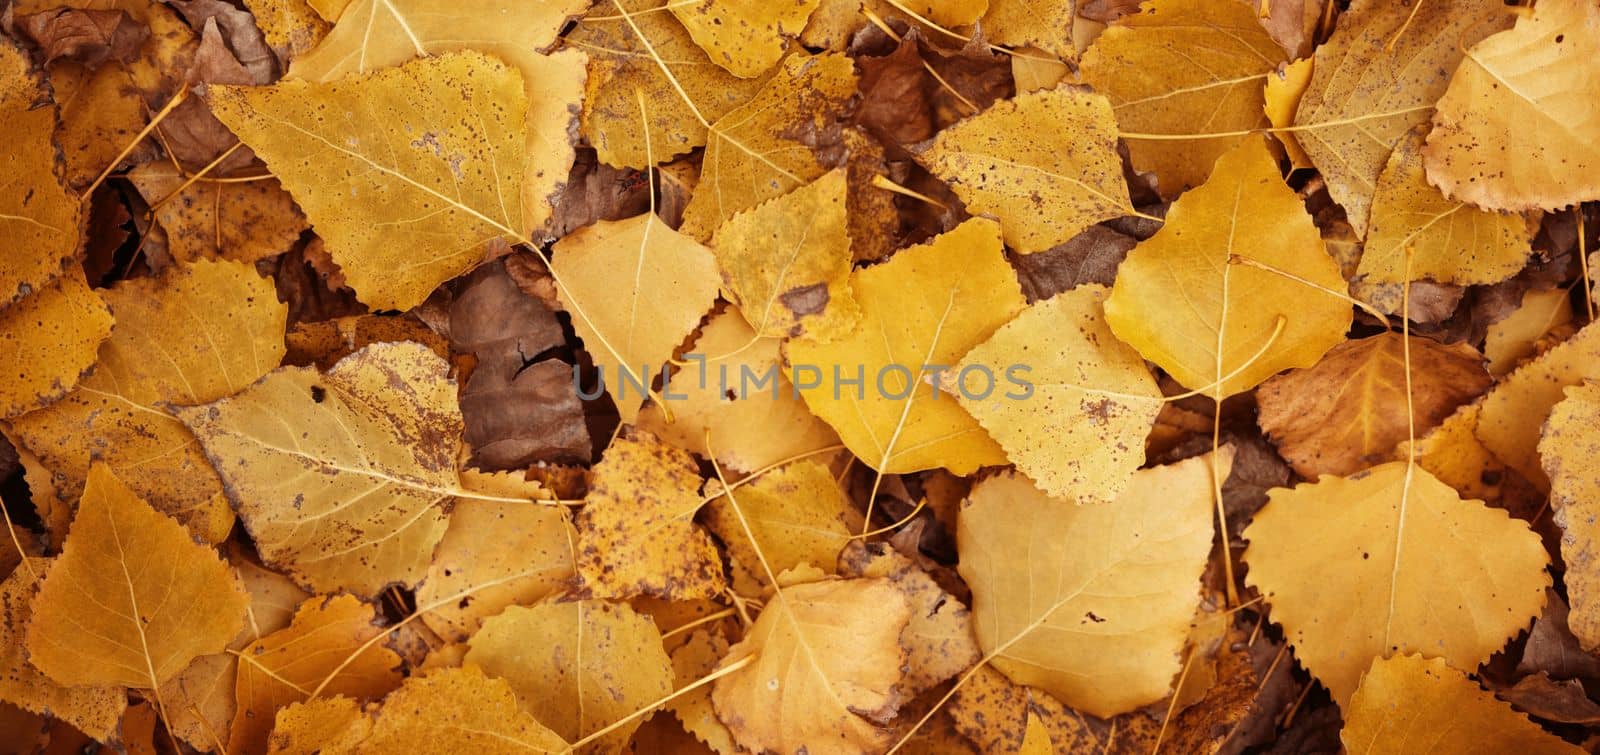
(938, 639)
(93, 710)
(1392, 561)
(1567, 451)
(239, 221)
(38, 215)
(52, 337)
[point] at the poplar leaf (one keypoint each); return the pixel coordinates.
(53, 337)
(1567, 450)
(798, 516)
(1516, 408)
(93, 710)
(500, 554)
(39, 223)
(746, 38)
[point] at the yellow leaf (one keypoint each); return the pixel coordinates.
(1568, 450)
(155, 599)
(695, 659)
(1048, 26)
(290, 27)
(324, 725)
(1451, 452)
(1045, 164)
(1079, 432)
(195, 334)
(748, 159)
(1515, 130)
(1541, 314)
(38, 215)
(922, 310)
(52, 338)
(1390, 561)
(429, 150)
(1214, 325)
(1408, 705)
(504, 554)
(636, 533)
(747, 38)
(342, 479)
(654, 283)
(938, 638)
(286, 666)
(953, 13)
(1184, 67)
(1098, 627)
(798, 515)
(1035, 69)
(93, 710)
(594, 664)
(827, 658)
(1281, 96)
(1347, 412)
(752, 422)
(1449, 241)
(1515, 409)
(786, 263)
(245, 222)
(623, 68)
(1375, 79)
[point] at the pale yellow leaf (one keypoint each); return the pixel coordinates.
(1540, 313)
(1568, 448)
(1409, 705)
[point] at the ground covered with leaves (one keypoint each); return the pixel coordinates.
(799, 376)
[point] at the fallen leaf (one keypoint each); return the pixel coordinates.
(747, 38)
(938, 638)
(1563, 702)
(1281, 98)
(796, 515)
(495, 555)
(1089, 257)
(87, 36)
(1049, 612)
(95, 710)
(245, 222)
(1566, 450)
(1539, 313)
(324, 342)
(53, 336)
(290, 27)
(694, 660)
(325, 724)
(1515, 409)
(1403, 563)
(38, 215)
(1018, 23)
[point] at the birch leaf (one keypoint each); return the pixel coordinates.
(925, 307)
(1045, 188)
(1020, 23)
(93, 710)
(246, 222)
(500, 554)
(429, 149)
(38, 215)
(1515, 130)
(53, 337)
(1517, 406)
(1567, 448)
(1184, 67)
(746, 38)
(1243, 209)
(1392, 561)
(1101, 627)
(1281, 96)
(798, 515)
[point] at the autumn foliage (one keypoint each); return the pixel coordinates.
(818, 376)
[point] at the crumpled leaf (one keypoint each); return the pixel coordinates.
(39, 221)
(1391, 561)
(1515, 130)
(1375, 79)
(631, 325)
(1408, 704)
(636, 533)
(428, 149)
(1347, 412)
(238, 221)
(216, 327)
(1180, 300)
(597, 663)
(827, 659)
(786, 263)
(1567, 451)
(1449, 240)
(155, 599)
(746, 38)
(925, 307)
(1045, 188)
(52, 337)
(1080, 432)
(1184, 67)
(1514, 410)
(342, 479)
(798, 515)
(503, 553)
(94, 710)
(88, 36)
(1098, 627)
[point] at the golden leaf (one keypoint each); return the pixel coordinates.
(798, 515)
(1375, 79)
(1098, 627)
(636, 533)
(324, 725)
(1048, 26)
(695, 659)
(52, 337)
(1449, 241)
(1079, 432)
(1515, 130)
(1568, 450)
(38, 215)
(753, 422)
(938, 638)
(748, 157)
(1184, 67)
(504, 554)
(245, 222)
(430, 149)
(290, 27)
(153, 599)
(827, 659)
(1347, 412)
(1281, 97)
(1517, 406)
(786, 263)
(746, 38)
(653, 63)
(920, 311)
(1391, 561)
(595, 664)
(343, 479)
(93, 710)
(1045, 188)
(1452, 453)
(953, 13)
(656, 284)
(1220, 327)
(1540, 314)
(195, 334)
(317, 652)
(1408, 705)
